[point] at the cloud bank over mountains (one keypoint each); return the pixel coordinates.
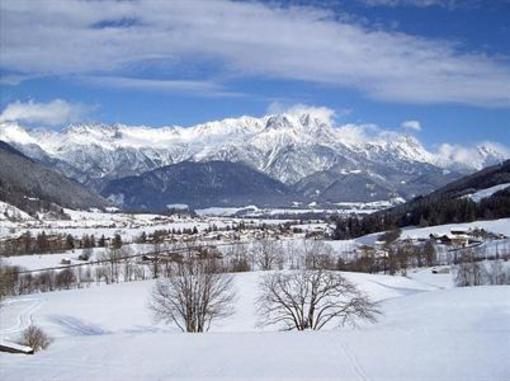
(237, 39)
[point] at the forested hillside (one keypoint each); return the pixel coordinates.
(453, 203)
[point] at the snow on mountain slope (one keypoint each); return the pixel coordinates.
(9, 212)
(487, 192)
(479, 157)
(287, 147)
(12, 132)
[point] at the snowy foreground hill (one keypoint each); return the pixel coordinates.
(428, 332)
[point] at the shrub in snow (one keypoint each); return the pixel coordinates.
(86, 254)
(35, 338)
(65, 279)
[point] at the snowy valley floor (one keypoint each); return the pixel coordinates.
(428, 332)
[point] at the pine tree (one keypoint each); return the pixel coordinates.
(69, 242)
(117, 241)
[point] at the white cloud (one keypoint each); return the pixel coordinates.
(205, 88)
(245, 39)
(479, 156)
(359, 133)
(412, 3)
(455, 153)
(54, 113)
(325, 114)
(448, 4)
(14, 79)
(414, 125)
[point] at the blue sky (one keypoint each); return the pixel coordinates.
(442, 63)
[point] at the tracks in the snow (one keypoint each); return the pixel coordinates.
(25, 317)
(354, 363)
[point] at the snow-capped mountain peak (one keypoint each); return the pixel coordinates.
(13, 132)
(483, 155)
(287, 146)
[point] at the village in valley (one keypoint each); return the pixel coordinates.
(96, 247)
(89, 230)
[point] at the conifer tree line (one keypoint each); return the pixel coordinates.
(427, 211)
(42, 242)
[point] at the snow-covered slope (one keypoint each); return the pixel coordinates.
(484, 193)
(426, 333)
(10, 213)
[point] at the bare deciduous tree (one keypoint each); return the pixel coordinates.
(3, 282)
(430, 253)
(114, 255)
(267, 254)
(237, 258)
(470, 272)
(193, 296)
(310, 299)
(497, 274)
(318, 255)
(294, 255)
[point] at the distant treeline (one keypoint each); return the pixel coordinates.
(424, 212)
(41, 243)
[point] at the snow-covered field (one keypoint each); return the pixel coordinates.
(43, 261)
(428, 332)
(127, 225)
(340, 208)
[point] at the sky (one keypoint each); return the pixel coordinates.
(438, 69)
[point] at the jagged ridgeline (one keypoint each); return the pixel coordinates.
(305, 151)
(482, 195)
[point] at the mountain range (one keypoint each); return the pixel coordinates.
(304, 152)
